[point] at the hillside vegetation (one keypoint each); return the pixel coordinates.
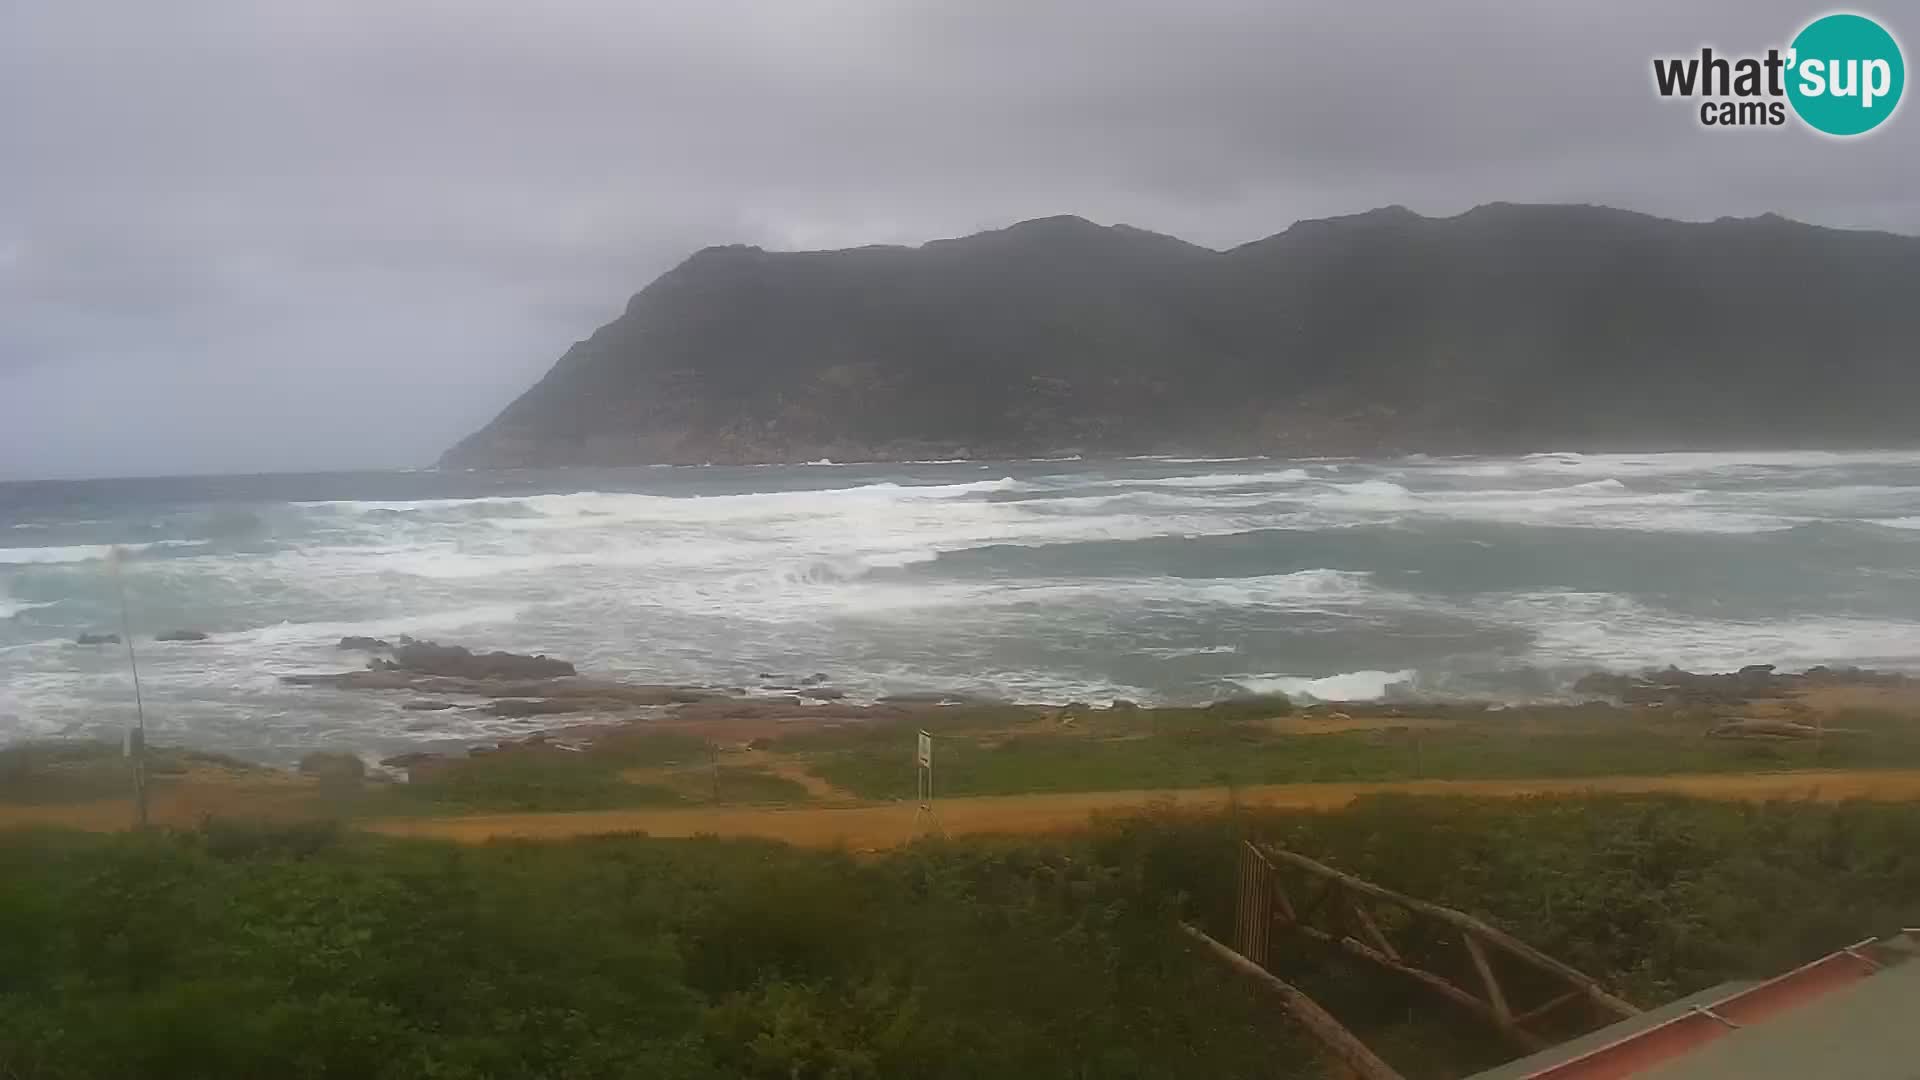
(1505, 328)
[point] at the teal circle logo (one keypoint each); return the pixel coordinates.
(1845, 74)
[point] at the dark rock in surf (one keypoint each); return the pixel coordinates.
(515, 707)
(365, 680)
(1676, 687)
(429, 658)
(427, 706)
(933, 697)
(182, 635)
(364, 644)
(97, 639)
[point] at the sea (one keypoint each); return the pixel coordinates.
(1157, 580)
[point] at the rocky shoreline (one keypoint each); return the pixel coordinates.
(535, 688)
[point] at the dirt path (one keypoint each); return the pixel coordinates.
(796, 771)
(872, 827)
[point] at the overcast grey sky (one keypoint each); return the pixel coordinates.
(247, 235)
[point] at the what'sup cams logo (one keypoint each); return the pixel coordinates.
(1842, 75)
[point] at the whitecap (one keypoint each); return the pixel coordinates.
(1221, 480)
(327, 632)
(1171, 653)
(1615, 631)
(1367, 685)
(10, 608)
(80, 553)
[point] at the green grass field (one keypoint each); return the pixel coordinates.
(1192, 748)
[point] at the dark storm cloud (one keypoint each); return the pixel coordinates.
(258, 236)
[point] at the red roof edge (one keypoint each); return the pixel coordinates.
(1705, 1023)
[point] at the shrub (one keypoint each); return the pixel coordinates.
(336, 770)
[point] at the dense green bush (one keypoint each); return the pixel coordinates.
(245, 952)
(314, 951)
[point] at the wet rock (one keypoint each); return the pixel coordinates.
(538, 706)
(1676, 687)
(97, 639)
(360, 680)
(429, 658)
(364, 644)
(777, 709)
(822, 693)
(428, 706)
(181, 635)
(605, 693)
(936, 697)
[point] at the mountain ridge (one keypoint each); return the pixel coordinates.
(1508, 327)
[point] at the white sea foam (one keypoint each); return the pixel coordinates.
(1223, 480)
(684, 507)
(1620, 632)
(1176, 460)
(79, 553)
(1605, 503)
(1367, 685)
(70, 553)
(1384, 492)
(10, 608)
(1705, 463)
(851, 579)
(329, 632)
(1178, 653)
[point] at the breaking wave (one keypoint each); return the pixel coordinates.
(1347, 686)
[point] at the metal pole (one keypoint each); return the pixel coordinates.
(138, 742)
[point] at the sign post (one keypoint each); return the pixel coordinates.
(923, 784)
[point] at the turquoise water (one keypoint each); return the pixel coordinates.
(1151, 579)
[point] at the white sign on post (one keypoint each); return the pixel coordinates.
(923, 756)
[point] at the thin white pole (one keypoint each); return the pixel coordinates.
(139, 704)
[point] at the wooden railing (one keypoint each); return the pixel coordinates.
(1341, 910)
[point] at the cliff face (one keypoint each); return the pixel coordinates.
(1505, 328)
